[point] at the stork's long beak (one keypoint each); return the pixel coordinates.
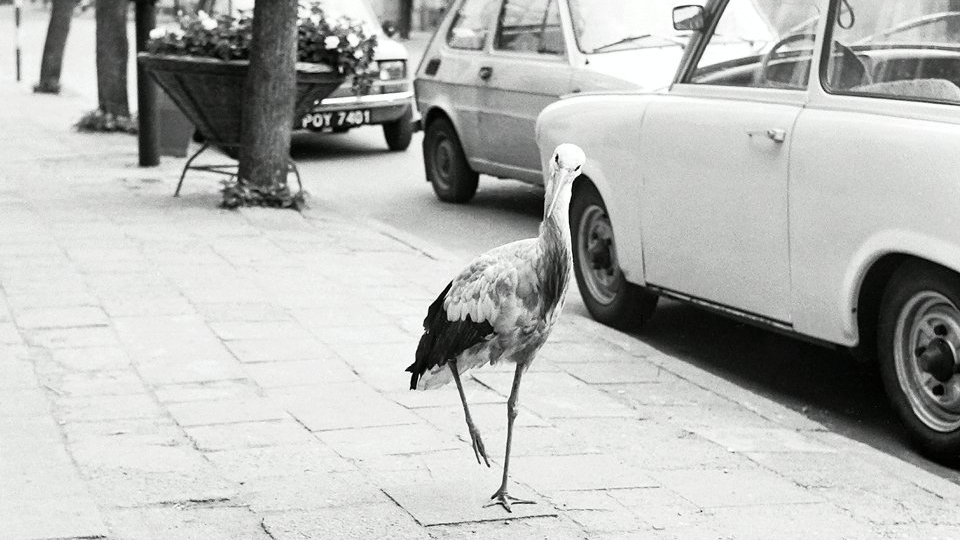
(559, 179)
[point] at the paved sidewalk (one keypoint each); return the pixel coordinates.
(172, 370)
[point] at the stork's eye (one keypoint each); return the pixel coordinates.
(578, 167)
(556, 158)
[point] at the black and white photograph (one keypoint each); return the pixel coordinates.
(479, 269)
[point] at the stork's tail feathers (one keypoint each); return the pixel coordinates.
(422, 360)
(419, 365)
(443, 340)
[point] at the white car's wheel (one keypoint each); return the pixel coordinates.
(609, 297)
(918, 343)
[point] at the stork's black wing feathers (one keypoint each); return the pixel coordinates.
(443, 340)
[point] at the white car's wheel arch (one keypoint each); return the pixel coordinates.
(865, 278)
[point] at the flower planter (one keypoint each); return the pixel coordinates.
(210, 92)
(174, 128)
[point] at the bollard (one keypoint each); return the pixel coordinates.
(147, 123)
(17, 8)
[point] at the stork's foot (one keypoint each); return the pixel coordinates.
(478, 449)
(505, 500)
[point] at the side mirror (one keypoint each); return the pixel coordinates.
(389, 28)
(688, 18)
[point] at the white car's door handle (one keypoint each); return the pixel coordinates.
(774, 134)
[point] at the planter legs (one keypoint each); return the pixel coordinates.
(226, 170)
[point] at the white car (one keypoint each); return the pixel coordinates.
(493, 65)
(807, 180)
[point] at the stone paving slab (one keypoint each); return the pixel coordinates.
(91, 358)
(748, 439)
(70, 517)
(739, 487)
(373, 442)
(245, 464)
(309, 491)
(228, 389)
(279, 350)
(341, 406)
(187, 523)
(61, 317)
(249, 435)
(122, 488)
(300, 373)
(196, 413)
(579, 472)
(558, 395)
(445, 501)
(385, 520)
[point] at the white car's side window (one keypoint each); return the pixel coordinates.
(760, 43)
(899, 49)
(530, 26)
(471, 24)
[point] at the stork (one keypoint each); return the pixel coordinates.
(502, 307)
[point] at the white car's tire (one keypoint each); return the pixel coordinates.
(918, 337)
(609, 297)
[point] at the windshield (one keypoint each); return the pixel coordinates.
(597, 24)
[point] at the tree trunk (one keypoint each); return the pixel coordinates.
(112, 50)
(60, 17)
(406, 18)
(269, 96)
(206, 5)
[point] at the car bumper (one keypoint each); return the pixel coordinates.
(382, 108)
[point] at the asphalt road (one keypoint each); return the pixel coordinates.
(356, 172)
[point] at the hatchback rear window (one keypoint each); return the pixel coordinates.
(530, 26)
(471, 24)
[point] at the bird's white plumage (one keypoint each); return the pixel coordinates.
(494, 286)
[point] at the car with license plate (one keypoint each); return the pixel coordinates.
(493, 65)
(389, 103)
(805, 180)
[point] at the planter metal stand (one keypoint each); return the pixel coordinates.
(210, 93)
(229, 170)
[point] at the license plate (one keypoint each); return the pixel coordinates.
(336, 119)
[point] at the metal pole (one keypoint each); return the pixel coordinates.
(17, 7)
(148, 129)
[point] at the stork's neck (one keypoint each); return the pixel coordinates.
(555, 227)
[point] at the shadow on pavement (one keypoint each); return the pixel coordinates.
(826, 385)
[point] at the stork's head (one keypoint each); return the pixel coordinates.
(565, 166)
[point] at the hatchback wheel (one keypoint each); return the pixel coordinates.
(447, 169)
(918, 343)
(399, 132)
(609, 297)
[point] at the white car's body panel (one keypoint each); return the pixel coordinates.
(703, 203)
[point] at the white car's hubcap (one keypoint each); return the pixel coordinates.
(925, 354)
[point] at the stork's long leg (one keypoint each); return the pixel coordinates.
(501, 497)
(478, 449)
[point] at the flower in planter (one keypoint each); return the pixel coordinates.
(340, 43)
